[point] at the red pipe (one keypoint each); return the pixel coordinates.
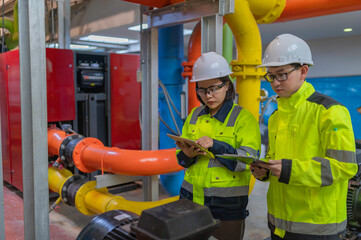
(194, 52)
(90, 155)
(157, 3)
(151, 3)
(299, 9)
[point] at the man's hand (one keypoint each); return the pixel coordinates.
(275, 166)
(257, 171)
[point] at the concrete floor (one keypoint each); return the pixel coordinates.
(66, 222)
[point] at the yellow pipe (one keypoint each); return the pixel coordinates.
(100, 203)
(243, 23)
(57, 178)
(249, 55)
(267, 11)
(249, 47)
(89, 200)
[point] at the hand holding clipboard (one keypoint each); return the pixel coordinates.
(190, 143)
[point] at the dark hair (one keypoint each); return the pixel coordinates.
(230, 94)
(297, 65)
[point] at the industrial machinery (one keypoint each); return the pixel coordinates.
(354, 201)
(182, 219)
(86, 91)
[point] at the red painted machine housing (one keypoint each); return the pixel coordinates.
(125, 101)
(60, 104)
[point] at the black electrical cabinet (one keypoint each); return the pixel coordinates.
(92, 95)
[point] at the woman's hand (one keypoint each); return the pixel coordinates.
(205, 142)
(189, 151)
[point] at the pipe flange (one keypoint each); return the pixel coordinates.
(274, 13)
(63, 149)
(244, 69)
(81, 193)
(78, 161)
(65, 187)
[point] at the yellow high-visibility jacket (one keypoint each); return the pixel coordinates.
(312, 134)
(219, 183)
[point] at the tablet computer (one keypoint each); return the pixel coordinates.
(243, 158)
(190, 143)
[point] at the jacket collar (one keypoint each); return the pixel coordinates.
(222, 112)
(291, 103)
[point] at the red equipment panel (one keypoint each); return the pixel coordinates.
(60, 84)
(13, 76)
(125, 101)
(4, 114)
(60, 104)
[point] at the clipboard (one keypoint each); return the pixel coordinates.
(243, 158)
(190, 143)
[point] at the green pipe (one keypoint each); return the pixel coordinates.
(9, 25)
(16, 22)
(228, 44)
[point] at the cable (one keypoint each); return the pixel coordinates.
(167, 94)
(169, 102)
(271, 99)
(167, 98)
(165, 124)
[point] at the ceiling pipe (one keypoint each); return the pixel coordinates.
(89, 154)
(151, 3)
(299, 9)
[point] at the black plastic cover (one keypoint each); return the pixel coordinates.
(182, 219)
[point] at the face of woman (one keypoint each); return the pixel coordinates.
(213, 93)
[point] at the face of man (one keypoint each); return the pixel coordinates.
(287, 79)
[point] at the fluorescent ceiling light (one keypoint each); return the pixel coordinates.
(104, 39)
(137, 27)
(187, 31)
(82, 47)
(347, 30)
(145, 26)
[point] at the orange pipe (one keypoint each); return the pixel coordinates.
(194, 52)
(298, 9)
(90, 155)
(55, 138)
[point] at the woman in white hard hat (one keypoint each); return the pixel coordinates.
(311, 150)
(221, 127)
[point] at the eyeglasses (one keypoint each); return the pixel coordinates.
(210, 90)
(279, 76)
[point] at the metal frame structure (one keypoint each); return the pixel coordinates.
(211, 13)
(64, 23)
(34, 118)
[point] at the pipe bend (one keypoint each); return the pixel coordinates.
(89, 155)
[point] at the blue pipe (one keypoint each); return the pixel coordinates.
(170, 57)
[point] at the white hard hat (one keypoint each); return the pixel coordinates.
(287, 49)
(209, 66)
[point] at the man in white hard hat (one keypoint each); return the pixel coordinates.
(221, 127)
(311, 150)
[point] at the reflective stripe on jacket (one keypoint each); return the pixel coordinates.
(312, 134)
(220, 182)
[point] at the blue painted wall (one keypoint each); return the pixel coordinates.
(346, 90)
